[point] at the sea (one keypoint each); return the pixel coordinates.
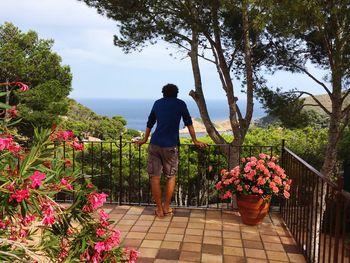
(136, 111)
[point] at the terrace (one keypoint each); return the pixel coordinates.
(312, 226)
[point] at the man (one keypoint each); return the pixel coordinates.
(163, 149)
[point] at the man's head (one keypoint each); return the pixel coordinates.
(170, 91)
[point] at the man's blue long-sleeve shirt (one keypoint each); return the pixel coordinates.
(167, 112)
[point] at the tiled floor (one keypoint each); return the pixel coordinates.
(200, 235)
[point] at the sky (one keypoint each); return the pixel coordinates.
(84, 40)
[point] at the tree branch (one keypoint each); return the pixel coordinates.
(314, 98)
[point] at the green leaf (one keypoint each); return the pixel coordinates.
(2, 94)
(4, 106)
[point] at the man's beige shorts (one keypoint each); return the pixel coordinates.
(164, 159)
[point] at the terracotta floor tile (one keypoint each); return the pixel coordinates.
(139, 235)
(250, 229)
(255, 260)
(213, 233)
(146, 217)
(165, 261)
(143, 223)
(287, 240)
(136, 210)
(155, 236)
(196, 225)
(128, 222)
(190, 256)
(151, 243)
(253, 244)
(157, 229)
(251, 236)
(294, 249)
(212, 240)
(176, 230)
(297, 258)
(148, 252)
(234, 259)
(212, 226)
(255, 253)
(232, 242)
(145, 260)
(273, 239)
(189, 246)
(195, 232)
(178, 224)
(230, 234)
(173, 237)
(213, 221)
(231, 227)
(171, 254)
(161, 223)
(199, 214)
(130, 217)
(234, 251)
(171, 245)
(196, 220)
(132, 242)
(206, 236)
(209, 258)
(123, 228)
(212, 249)
(193, 239)
(179, 219)
(276, 255)
(273, 246)
(136, 228)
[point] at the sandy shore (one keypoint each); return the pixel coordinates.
(221, 126)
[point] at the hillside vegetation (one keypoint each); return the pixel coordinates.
(86, 123)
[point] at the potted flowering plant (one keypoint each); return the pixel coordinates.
(35, 228)
(253, 182)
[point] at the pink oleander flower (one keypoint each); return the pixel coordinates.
(22, 87)
(97, 200)
(20, 195)
(5, 143)
(12, 112)
(133, 254)
(67, 163)
(48, 220)
(63, 135)
(27, 219)
(65, 182)
(99, 247)
(78, 146)
(36, 179)
(100, 232)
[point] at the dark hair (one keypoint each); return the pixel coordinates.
(170, 90)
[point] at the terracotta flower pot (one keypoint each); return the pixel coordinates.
(253, 208)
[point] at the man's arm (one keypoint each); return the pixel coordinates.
(145, 137)
(194, 138)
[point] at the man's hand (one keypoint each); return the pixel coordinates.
(200, 144)
(140, 142)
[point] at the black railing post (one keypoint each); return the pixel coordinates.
(120, 169)
(338, 203)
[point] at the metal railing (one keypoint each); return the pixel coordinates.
(317, 213)
(119, 169)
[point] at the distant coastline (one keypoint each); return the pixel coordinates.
(136, 111)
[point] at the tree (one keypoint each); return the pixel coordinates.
(317, 33)
(84, 122)
(26, 56)
(289, 109)
(219, 32)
